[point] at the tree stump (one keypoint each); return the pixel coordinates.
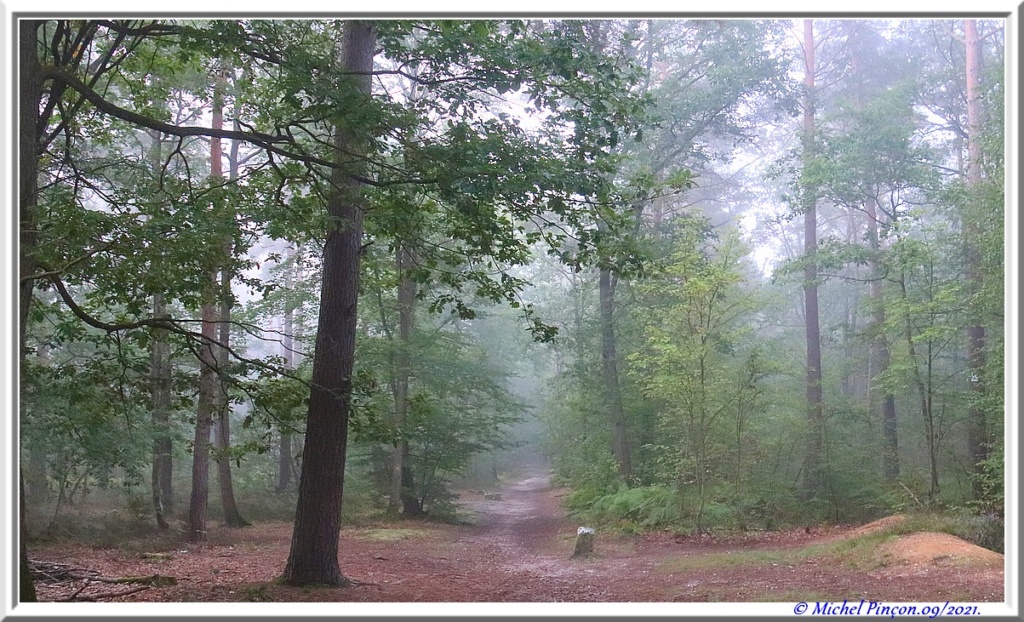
(584, 542)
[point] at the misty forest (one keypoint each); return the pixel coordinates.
(368, 311)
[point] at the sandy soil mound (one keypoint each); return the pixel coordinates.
(939, 549)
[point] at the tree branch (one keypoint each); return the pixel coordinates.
(269, 142)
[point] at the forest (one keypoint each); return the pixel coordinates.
(681, 280)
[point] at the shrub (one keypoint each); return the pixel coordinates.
(633, 509)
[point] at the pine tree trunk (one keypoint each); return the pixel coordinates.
(222, 407)
(813, 477)
(978, 438)
(313, 558)
(210, 385)
(610, 371)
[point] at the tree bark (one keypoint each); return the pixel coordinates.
(403, 494)
(610, 371)
(222, 436)
(978, 438)
(160, 388)
(313, 558)
(813, 478)
(880, 355)
(222, 427)
(207, 405)
(210, 387)
(160, 391)
(30, 93)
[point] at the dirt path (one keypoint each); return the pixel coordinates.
(519, 550)
(532, 540)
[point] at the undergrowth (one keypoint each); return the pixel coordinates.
(660, 508)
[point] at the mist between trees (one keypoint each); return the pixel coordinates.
(721, 274)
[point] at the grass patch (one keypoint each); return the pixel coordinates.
(389, 535)
(858, 553)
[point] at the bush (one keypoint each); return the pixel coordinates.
(636, 509)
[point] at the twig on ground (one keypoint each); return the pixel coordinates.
(96, 597)
(85, 584)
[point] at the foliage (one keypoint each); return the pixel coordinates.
(515, 158)
(642, 508)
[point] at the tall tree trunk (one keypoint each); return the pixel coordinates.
(205, 410)
(403, 494)
(313, 557)
(977, 426)
(222, 427)
(160, 390)
(222, 436)
(210, 387)
(881, 396)
(284, 445)
(813, 477)
(610, 370)
(30, 90)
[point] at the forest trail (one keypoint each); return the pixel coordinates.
(518, 550)
(532, 538)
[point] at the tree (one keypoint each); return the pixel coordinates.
(609, 367)
(222, 419)
(861, 40)
(978, 441)
(314, 552)
(402, 492)
(483, 172)
(30, 93)
(813, 477)
(160, 390)
(211, 401)
(701, 361)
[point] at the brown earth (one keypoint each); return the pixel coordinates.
(518, 551)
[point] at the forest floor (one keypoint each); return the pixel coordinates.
(518, 550)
